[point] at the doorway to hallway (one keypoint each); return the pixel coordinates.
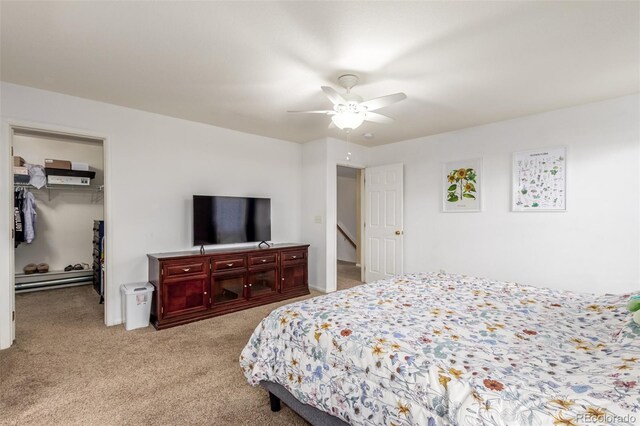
(348, 227)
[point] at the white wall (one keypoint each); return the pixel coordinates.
(64, 225)
(319, 200)
(156, 163)
(592, 247)
(346, 208)
(314, 209)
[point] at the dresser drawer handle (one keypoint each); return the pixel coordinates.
(294, 256)
(229, 264)
(264, 260)
(250, 285)
(186, 269)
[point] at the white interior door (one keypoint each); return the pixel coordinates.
(383, 221)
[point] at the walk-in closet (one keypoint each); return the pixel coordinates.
(59, 223)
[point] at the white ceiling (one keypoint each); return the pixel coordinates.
(242, 65)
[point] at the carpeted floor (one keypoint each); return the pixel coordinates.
(67, 368)
(348, 274)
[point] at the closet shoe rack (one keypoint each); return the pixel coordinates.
(54, 279)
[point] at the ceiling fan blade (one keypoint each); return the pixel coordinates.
(311, 112)
(382, 101)
(333, 96)
(377, 118)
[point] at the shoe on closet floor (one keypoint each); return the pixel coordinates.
(43, 268)
(68, 268)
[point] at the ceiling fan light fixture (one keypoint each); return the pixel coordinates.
(350, 110)
(348, 120)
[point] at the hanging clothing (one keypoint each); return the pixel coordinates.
(38, 178)
(29, 210)
(18, 217)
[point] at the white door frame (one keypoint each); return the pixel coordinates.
(332, 222)
(7, 282)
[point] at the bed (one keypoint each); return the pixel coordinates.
(435, 349)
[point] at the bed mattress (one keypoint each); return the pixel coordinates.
(435, 349)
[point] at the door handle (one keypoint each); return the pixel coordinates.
(398, 232)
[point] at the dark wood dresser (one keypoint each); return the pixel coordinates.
(190, 286)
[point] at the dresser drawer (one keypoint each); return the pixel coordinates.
(293, 255)
(180, 268)
(229, 263)
(268, 259)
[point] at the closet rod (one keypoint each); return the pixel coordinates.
(95, 191)
(87, 188)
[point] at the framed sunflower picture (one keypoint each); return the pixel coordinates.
(461, 186)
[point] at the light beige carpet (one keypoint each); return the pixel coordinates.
(348, 275)
(67, 368)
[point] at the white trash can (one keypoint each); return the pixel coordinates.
(136, 304)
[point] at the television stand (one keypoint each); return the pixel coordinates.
(263, 242)
(190, 286)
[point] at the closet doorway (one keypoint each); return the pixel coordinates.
(59, 234)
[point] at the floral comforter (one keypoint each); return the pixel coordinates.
(433, 349)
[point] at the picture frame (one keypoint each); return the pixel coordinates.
(539, 180)
(462, 186)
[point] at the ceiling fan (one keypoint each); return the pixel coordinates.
(350, 110)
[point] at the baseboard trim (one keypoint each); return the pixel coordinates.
(321, 290)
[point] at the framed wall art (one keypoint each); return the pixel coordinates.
(540, 180)
(461, 186)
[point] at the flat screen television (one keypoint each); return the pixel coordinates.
(227, 220)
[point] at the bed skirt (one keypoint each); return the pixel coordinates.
(311, 414)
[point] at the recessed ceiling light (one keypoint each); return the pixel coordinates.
(368, 135)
